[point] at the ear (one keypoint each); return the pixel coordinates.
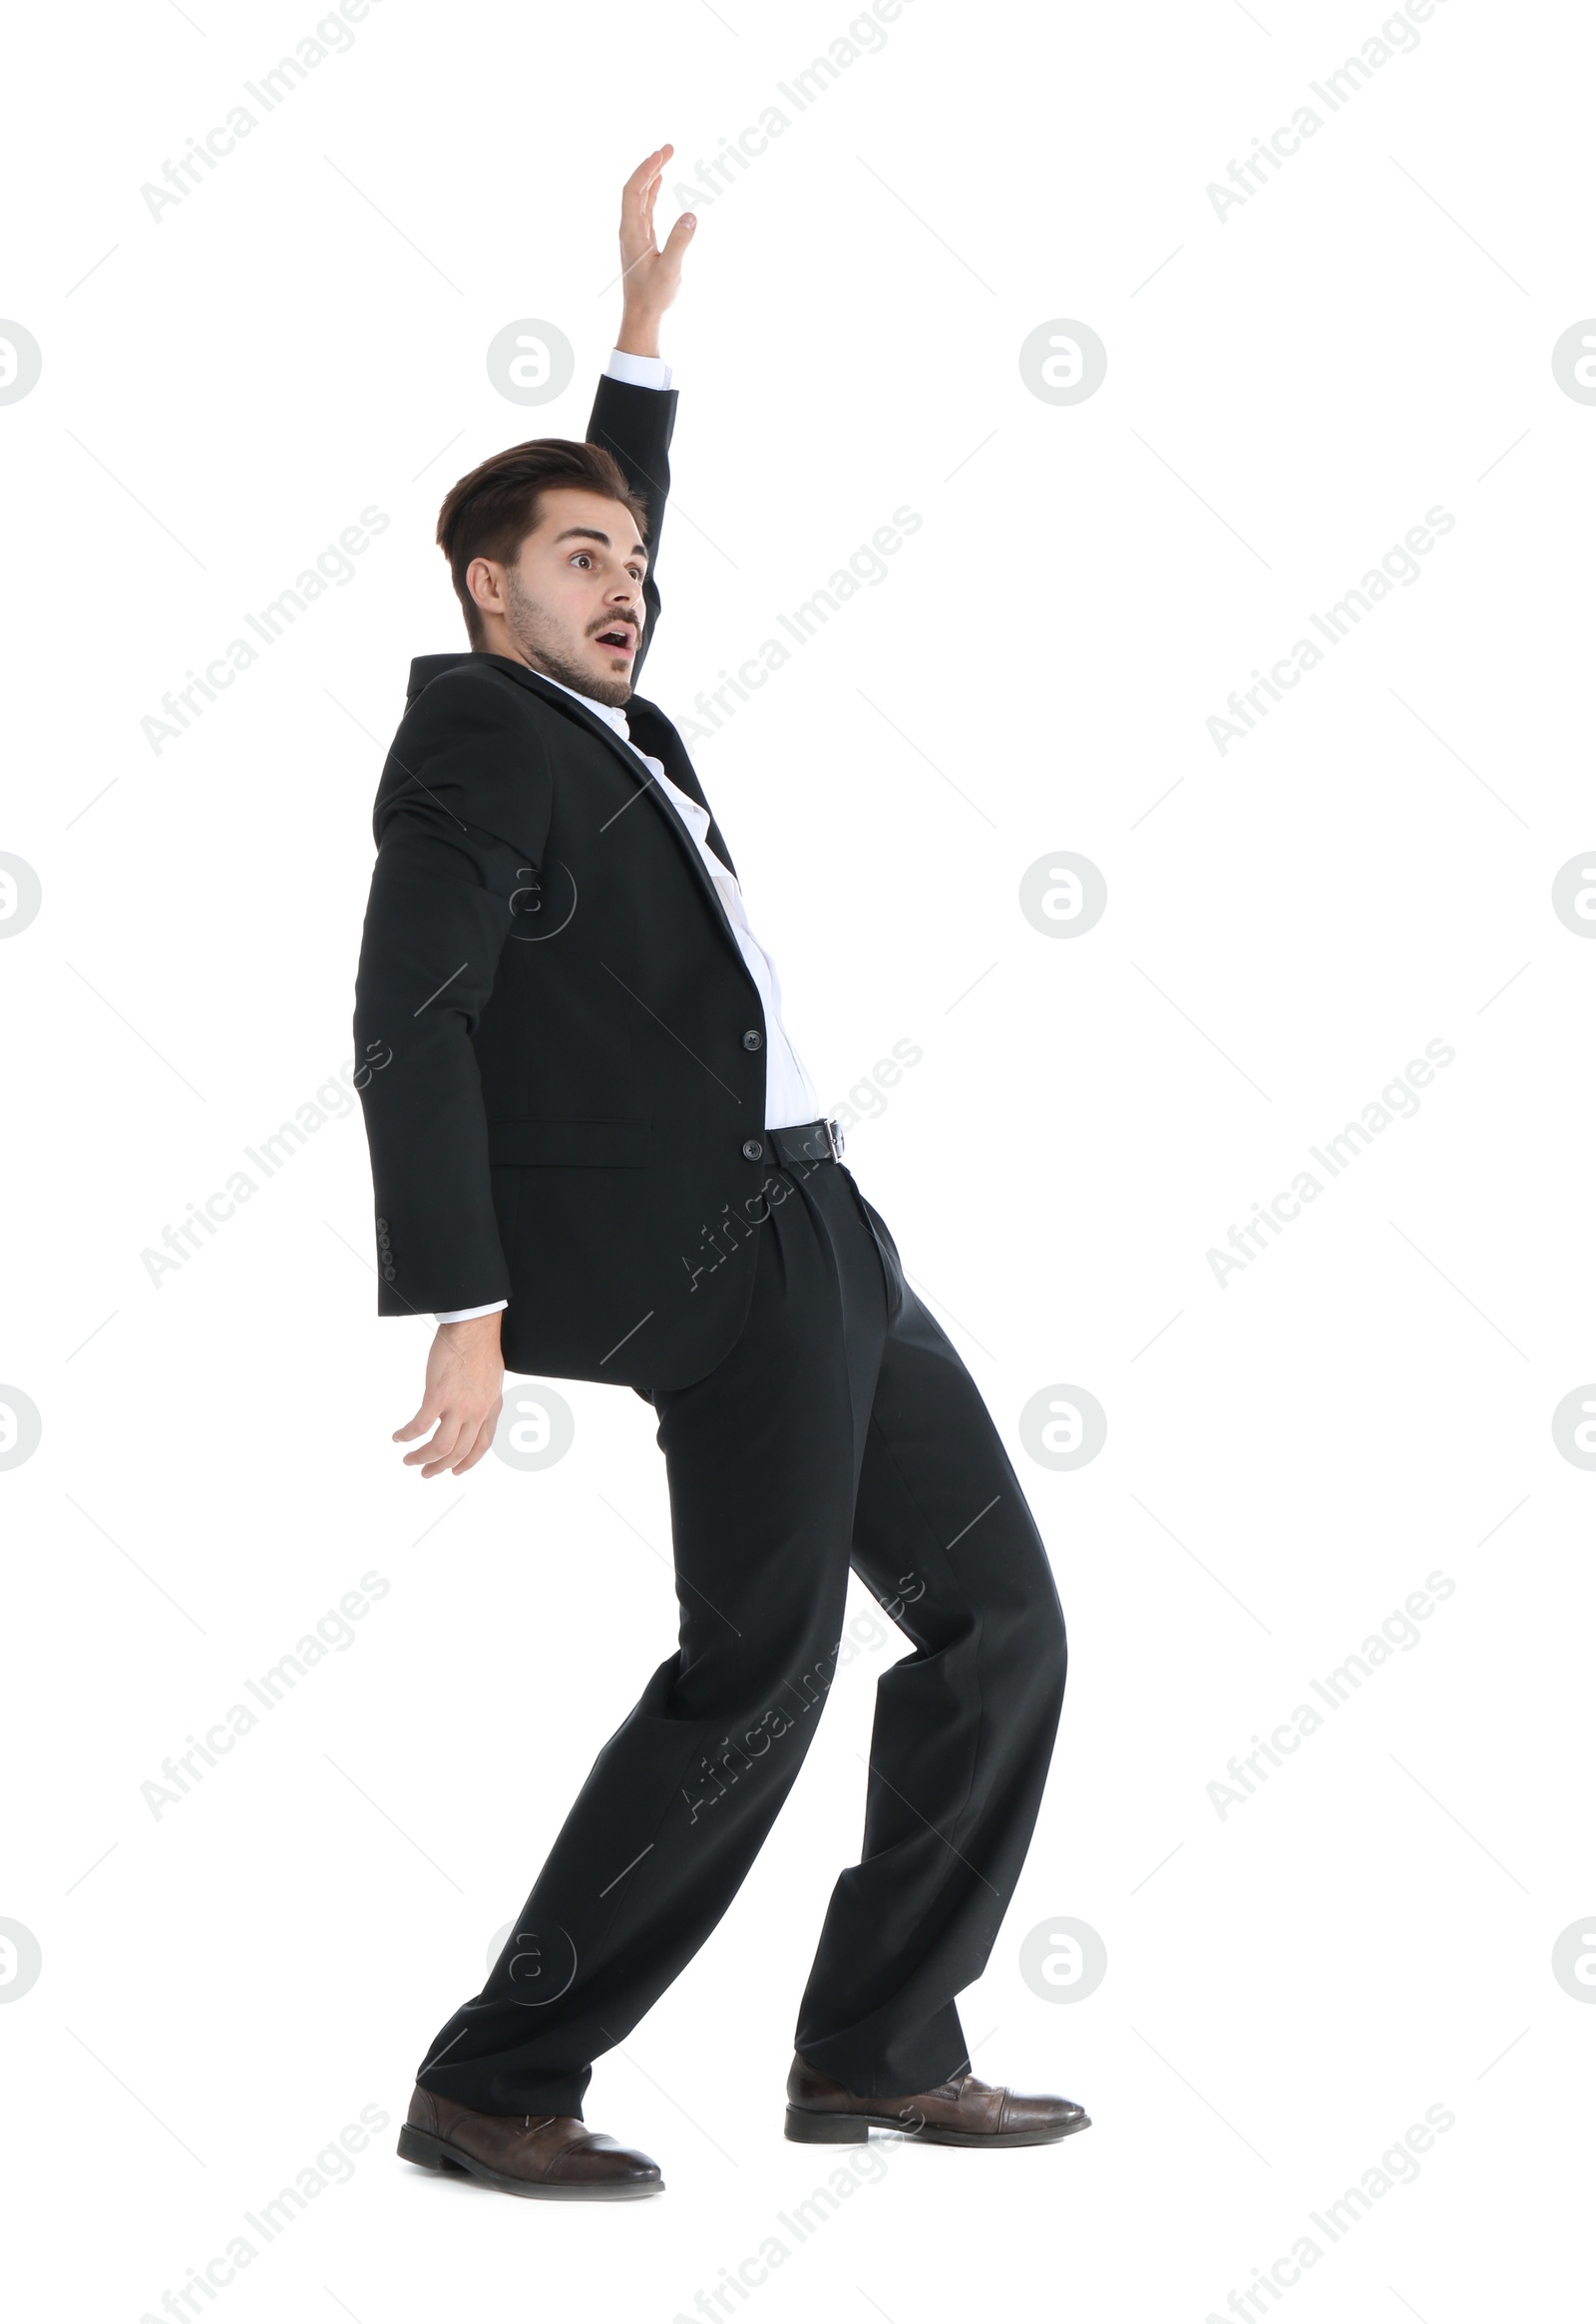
(485, 580)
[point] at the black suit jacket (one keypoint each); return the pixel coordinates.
(561, 1051)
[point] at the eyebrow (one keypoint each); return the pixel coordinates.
(592, 533)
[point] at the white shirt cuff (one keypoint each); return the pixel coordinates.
(464, 1315)
(639, 370)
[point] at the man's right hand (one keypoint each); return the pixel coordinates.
(464, 1398)
(650, 277)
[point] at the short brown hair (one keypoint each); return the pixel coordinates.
(490, 511)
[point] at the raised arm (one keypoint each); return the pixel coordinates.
(633, 418)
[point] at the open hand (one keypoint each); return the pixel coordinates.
(463, 1397)
(650, 275)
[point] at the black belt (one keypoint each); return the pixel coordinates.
(810, 1142)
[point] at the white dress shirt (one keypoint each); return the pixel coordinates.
(789, 1094)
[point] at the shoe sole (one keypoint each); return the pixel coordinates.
(810, 2129)
(435, 2153)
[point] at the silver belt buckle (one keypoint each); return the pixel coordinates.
(833, 1139)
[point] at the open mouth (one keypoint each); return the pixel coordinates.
(620, 639)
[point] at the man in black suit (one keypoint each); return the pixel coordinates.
(596, 1155)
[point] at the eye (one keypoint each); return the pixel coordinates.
(580, 557)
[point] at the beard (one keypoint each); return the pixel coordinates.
(544, 646)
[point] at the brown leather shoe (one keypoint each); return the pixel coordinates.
(524, 2155)
(961, 2112)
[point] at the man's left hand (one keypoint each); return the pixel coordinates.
(652, 277)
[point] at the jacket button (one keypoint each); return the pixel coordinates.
(753, 1040)
(752, 1148)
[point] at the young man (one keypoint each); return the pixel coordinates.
(597, 1156)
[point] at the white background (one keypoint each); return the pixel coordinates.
(1288, 390)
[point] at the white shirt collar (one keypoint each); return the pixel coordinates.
(698, 817)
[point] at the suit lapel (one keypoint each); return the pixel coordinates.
(569, 707)
(651, 730)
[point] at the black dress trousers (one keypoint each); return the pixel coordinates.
(841, 1429)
